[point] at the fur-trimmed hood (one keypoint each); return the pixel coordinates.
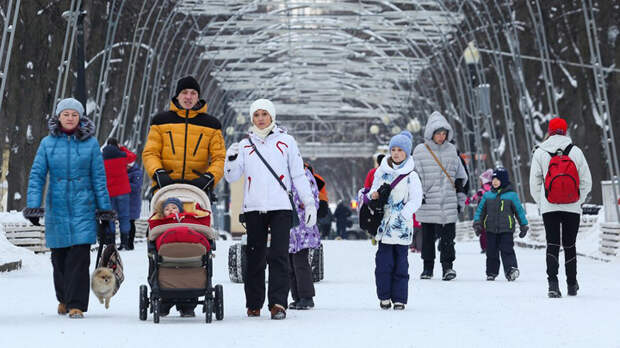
(85, 129)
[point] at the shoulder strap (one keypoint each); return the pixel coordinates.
(290, 195)
(440, 165)
(567, 149)
(398, 179)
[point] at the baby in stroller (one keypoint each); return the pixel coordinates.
(180, 245)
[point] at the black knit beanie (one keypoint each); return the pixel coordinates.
(187, 82)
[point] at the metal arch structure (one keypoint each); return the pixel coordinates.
(9, 19)
(368, 63)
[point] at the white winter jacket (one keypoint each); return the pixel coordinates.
(262, 192)
(540, 165)
(405, 198)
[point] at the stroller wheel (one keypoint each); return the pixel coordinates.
(208, 310)
(155, 303)
(219, 302)
(144, 302)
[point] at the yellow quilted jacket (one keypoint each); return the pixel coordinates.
(186, 142)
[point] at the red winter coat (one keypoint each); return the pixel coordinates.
(369, 178)
(115, 161)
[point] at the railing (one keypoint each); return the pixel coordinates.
(609, 235)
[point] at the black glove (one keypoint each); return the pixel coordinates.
(524, 229)
(106, 215)
(33, 214)
(204, 181)
(162, 178)
(478, 228)
(376, 206)
(458, 185)
(384, 193)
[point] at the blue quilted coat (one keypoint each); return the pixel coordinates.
(77, 184)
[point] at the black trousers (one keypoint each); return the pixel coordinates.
(71, 278)
(447, 233)
(300, 275)
(561, 226)
(259, 224)
(500, 244)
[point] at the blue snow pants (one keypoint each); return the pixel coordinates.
(500, 244)
(392, 272)
(120, 204)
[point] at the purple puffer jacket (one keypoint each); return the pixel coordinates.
(303, 237)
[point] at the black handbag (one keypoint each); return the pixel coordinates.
(371, 211)
(295, 217)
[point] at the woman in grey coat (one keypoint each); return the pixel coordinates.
(438, 213)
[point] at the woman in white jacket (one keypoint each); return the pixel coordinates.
(566, 215)
(396, 230)
(266, 205)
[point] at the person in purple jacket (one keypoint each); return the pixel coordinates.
(302, 239)
(136, 175)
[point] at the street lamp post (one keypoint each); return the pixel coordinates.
(471, 55)
(80, 85)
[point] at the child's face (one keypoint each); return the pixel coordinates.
(398, 154)
(171, 209)
(496, 183)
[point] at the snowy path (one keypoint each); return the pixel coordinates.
(466, 312)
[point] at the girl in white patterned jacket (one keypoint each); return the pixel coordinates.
(396, 230)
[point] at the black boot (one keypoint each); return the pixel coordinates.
(132, 236)
(554, 289)
(124, 242)
(448, 272)
(427, 273)
(572, 289)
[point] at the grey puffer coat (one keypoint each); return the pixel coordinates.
(440, 204)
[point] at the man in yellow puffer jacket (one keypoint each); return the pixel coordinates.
(185, 143)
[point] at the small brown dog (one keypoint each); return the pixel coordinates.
(103, 284)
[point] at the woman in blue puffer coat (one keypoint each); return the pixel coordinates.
(77, 189)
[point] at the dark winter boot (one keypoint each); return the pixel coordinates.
(385, 304)
(398, 306)
(305, 303)
(513, 274)
(554, 289)
(572, 289)
(124, 242)
(132, 236)
(427, 273)
(448, 272)
(490, 278)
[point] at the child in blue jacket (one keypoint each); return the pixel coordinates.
(496, 213)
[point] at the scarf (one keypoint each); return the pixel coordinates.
(263, 133)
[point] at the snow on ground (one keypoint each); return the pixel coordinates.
(466, 312)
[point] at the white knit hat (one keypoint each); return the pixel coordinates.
(263, 104)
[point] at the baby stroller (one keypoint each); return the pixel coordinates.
(180, 256)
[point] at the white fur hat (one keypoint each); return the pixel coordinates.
(263, 104)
